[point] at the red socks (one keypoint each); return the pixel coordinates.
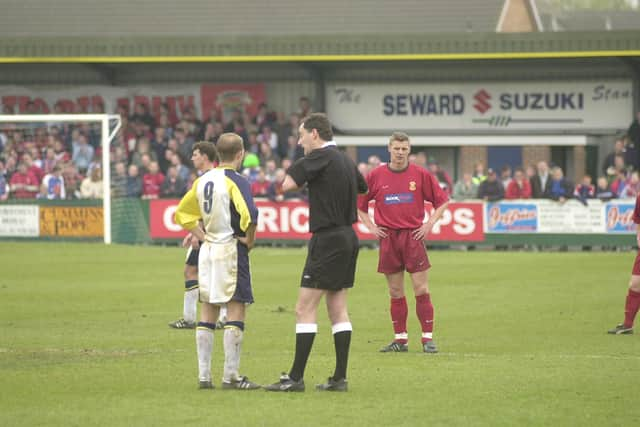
(424, 310)
(399, 313)
(631, 308)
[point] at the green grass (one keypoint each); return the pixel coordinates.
(84, 341)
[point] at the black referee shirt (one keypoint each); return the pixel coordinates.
(334, 183)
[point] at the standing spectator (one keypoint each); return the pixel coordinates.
(444, 180)
(618, 183)
(373, 161)
(561, 189)
(491, 189)
(119, 180)
(82, 153)
(465, 188)
(267, 153)
(304, 106)
(49, 160)
(152, 181)
(141, 115)
(603, 192)
(505, 176)
(23, 184)
(134, 182)
(262, 117)
(54, 184)
(519, 187)
(478, 173)
(541, 182)
(634, 133)
(173, 185)
(609, 160)
(294, 150)
(91, 187)
(288, 128)
(183, 171)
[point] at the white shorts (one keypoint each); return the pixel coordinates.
(218, 271)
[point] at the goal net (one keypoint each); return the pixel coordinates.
(46, 158)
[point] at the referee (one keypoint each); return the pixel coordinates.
(334, 182)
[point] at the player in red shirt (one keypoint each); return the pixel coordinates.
(633, 295)
(400, 189)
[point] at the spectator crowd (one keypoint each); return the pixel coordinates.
(151, 158)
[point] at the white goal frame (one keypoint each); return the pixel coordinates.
(105, 135)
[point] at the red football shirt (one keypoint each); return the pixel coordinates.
(636, 211)
(400, 196)
(151, 184)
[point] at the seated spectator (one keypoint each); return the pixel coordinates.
(632, 187)
(275, 193)
(134, 182)
(491, 188)
(119, 180)
(268, 136)
(183, 171)
(72, 180)
(53, 183)
(363, 168)
(603, 192)
(465, 188)
(519, 187)
(261, 185)
(286, 164)
(4, 184)
(49, 161)
(23, 185)
(91, 187)
(561, 188)
(585, 190)
(266, 153)
(251, 167)
(173, 185)
(32, 167)
(152, 182)
(294, 150)
(618, 182)
(618, 166)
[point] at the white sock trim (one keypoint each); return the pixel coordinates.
(341, 327)
(401, 336)
(427, 335)
(306, 328)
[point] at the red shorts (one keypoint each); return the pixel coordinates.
(636, 266)
(399, 251)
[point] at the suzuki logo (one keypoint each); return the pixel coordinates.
(482, 104)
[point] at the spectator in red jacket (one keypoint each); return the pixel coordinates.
(260, 186)
(23, 184)
(152, 182)
(519, 187)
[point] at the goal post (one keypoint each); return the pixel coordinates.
(107, 133)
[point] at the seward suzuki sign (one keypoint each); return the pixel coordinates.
(603, 105)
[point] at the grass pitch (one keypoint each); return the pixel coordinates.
(84, 341)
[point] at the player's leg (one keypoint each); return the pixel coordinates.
(424, 309)
(341, 329)
(233, 337)
(191, 292)
(204, 342)
(632, 305)
(399, 313)
(306, 329)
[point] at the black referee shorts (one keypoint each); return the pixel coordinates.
(331, 259)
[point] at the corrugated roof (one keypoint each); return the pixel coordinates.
(244, 17)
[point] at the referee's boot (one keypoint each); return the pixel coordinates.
(286, 384)
(333, 385)
(620, 330)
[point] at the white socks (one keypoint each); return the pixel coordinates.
(232, 348)
(190, 305)
(204, 345)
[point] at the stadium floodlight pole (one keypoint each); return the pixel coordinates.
(106, 137)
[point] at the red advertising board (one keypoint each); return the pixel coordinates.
(290, 221)
(223, 99)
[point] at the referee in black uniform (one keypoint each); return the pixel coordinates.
(334, 183)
